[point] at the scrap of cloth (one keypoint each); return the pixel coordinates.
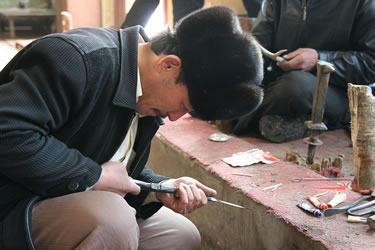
(250, 157)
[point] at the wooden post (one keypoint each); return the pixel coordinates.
(66, 21)
(362, 111)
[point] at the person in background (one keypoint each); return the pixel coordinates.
(78, 111)
(141, 11)
(252, 7)
(182, 8)
(338, 32)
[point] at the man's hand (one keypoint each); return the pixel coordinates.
(114, 178)
(191, 195)
(304, 59)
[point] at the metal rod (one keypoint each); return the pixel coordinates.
(224, 202)
(297, 179)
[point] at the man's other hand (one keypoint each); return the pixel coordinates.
(114, 178)
(191, 195)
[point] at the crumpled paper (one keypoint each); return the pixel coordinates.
(250, 157)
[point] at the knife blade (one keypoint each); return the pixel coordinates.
(224, 202)
(157, 187)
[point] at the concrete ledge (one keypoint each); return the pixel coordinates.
(271, 220)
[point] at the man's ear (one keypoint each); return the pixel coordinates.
(169, 63)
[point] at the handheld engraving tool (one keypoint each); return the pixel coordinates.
(157, 187)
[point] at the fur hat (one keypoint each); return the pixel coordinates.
(222, 66)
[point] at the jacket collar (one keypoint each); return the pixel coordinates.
(125, 95)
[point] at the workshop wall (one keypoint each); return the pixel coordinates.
(90, 17)
(27, 24)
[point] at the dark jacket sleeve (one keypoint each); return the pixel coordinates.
(264, 25)
(356, 66)
(41, 89)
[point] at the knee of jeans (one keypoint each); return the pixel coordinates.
(296, 84)
(294, 89)
(116, 219)
(190, 237)
(297, 76)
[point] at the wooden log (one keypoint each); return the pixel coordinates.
(362, 111)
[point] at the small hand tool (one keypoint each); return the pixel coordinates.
(370, 220)
(333, 211)
(316, 124)
(274, 56)
(357, 219)
(366, 205)
(156, 187)
(296, 179)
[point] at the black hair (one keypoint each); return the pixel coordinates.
(222, 66)
(164, 43)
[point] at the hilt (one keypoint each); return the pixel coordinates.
(316, 124)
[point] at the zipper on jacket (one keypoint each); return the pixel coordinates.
(304, 11)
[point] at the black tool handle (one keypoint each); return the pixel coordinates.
(156, 187)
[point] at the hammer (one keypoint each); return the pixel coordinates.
(316, 124)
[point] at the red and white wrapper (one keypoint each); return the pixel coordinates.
(250, 157)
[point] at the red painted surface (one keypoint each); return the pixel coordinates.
(191, 136)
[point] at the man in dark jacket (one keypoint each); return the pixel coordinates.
(77, 113)
(339, 32)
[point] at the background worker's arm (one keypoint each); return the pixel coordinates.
(304, 59)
